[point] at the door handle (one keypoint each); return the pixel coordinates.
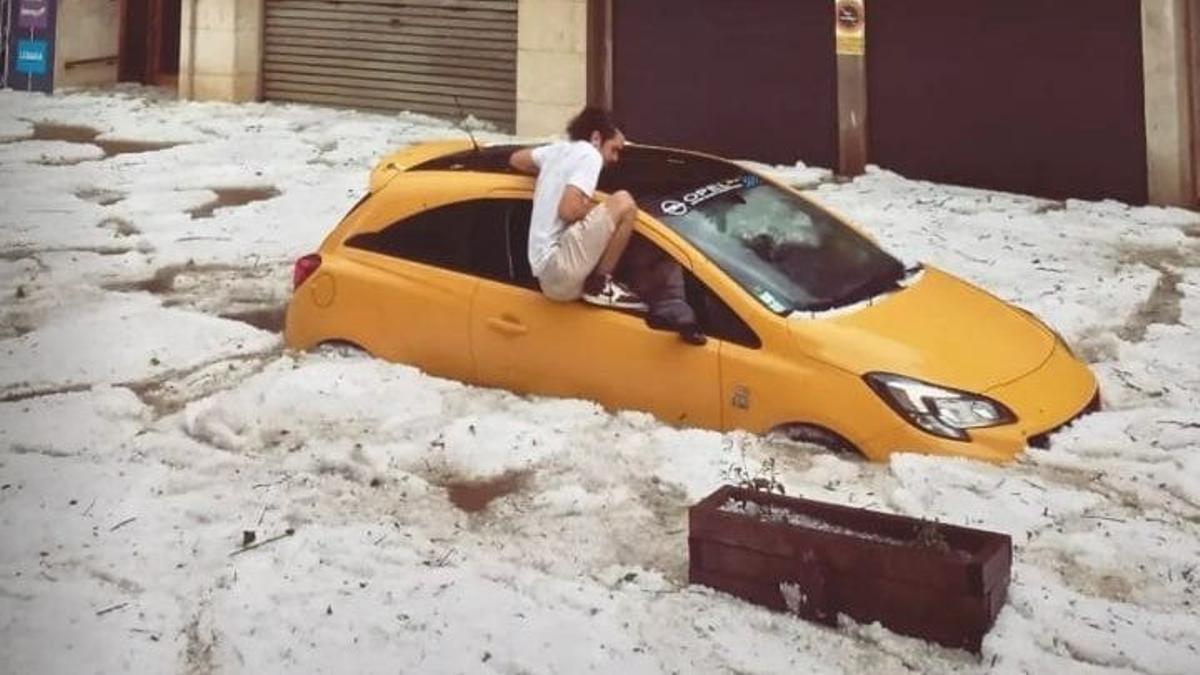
(507, 325)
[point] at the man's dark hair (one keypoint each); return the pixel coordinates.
(592, 118)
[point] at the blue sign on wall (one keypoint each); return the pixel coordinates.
(32, 56)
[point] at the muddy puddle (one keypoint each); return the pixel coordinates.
(119, 226)
(474, 496)
(160, 284)
(49, 131)
(266, 318)
(255, 295)
(1163, 305)
(100, 196)
(233, 196)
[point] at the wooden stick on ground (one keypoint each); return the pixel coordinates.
(121, 524)
(287, 533)
(114, 608)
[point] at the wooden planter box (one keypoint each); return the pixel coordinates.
(938, 582)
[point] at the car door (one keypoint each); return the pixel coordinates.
(528, 343)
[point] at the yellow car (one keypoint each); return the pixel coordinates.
(813, 331)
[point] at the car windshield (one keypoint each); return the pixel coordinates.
(784, 250)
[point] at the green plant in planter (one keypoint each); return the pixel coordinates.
(765, 479)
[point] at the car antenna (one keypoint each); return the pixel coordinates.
(462, 125)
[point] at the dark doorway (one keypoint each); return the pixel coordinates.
(1035, 96)
(149, 51)
(752, 79)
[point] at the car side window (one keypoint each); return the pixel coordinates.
(657, 277)
(469, 237)
(717, 319)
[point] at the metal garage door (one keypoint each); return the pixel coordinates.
(394, 55)
(1036, 96)
(750, 79)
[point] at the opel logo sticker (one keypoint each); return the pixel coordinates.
(672, 207)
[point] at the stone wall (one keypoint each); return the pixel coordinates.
(85, 50)
(551, 64)
(220, 50)
(1171, 164)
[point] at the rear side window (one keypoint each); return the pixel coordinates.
(469, 237)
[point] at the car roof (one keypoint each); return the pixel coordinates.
(642, 170)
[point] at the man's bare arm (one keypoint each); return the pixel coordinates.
(522, 160)
(574, 205)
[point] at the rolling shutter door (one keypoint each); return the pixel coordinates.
(394, 55)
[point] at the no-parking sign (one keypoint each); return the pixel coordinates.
(850, 23)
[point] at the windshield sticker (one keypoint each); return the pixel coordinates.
(676, 207)
(768, 298)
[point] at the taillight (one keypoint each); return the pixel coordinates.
(304, 269)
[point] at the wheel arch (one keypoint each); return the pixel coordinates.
(816, 434)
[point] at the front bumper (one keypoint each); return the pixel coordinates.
(1060, 391)
(1042, 440)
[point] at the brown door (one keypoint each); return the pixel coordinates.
(749, 79)
(1033, 96)
(149, 41)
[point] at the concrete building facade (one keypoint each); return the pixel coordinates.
(220, 50)
(86, 46)
(561, 54)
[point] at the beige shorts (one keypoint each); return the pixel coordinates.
(579, 249)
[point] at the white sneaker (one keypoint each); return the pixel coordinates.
(614, 294)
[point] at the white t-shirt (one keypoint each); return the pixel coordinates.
(559, 164)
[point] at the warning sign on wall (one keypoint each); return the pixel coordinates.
(850, 22)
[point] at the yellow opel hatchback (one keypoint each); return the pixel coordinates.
(813, 331)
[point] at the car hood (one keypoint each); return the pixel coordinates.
(939, 329)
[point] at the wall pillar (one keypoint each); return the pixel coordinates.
(551, 64)
(850, 19)
(220, 51)
(1171, 160)
(1193, 42)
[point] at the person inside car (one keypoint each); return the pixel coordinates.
(658, 280)
(574, 242)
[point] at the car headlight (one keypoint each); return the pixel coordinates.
(942, 412)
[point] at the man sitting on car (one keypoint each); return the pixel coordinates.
(574, 243)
